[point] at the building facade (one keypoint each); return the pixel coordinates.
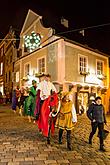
(7, 58)
(69, 63)
(1, 67)
(10, 54)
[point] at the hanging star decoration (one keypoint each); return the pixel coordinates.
(32, 41)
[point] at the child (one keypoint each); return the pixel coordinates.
(66, 118)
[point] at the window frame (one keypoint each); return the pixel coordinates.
(29, 69)
(98, 60)
(83, 56)
(44, 62)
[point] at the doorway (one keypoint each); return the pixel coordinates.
(82, 101)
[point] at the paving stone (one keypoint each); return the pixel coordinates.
(18, 159)
(107, 163)
(40, 158)
(42, 155)
(63, 161)
(3, 163)
(92, 163)
(76, 164)
(50, 161)
(21, 144)
(29, 159)
(26, 163)
(38, 162)
(13, 163)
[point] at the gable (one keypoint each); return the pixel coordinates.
(30, 18)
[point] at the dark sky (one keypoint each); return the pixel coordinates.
(79, 13)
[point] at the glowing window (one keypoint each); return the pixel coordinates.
(41, 65)
(99, 67)
(83, 63)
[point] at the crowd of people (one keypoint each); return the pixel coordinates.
(48, 108)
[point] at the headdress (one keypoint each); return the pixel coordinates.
(65, 94)
(40, 75)
(33, 82)
(48, 75)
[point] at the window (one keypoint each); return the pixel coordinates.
(41, 65)
(83, 62)
(17, 76)
(99, 65)
(1, 68)
(27, 69)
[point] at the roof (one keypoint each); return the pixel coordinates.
(30, 18)
(84, 46)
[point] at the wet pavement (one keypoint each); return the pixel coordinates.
(22, 144)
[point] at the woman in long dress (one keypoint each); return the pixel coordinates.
(66, 118)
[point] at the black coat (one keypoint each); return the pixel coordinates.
(96, 112)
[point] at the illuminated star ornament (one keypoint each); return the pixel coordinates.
(32, 41)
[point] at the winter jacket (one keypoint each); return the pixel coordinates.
(96, 112)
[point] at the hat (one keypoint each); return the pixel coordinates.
(48, 75)
(65, 93)
(40, 75)
(33, 82)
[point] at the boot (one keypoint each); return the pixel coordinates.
(60, 135)
(102, 148)
(20, 112)
(48, 140)
(69, 140)
(90, 139)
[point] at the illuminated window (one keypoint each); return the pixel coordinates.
(17, 76)
(1, 68)
(99, 67)
(83, 63)
(41, 65)
(27, 69)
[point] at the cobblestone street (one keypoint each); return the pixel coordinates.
(22, 144)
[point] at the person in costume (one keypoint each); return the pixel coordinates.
(39, 101)
(26, 95)
(45, 87)
(66, 118)
(18, 94)
(46, 120)
(14, 100)
(45, 90)
(31, 101)
(21, 101)
(50, 84)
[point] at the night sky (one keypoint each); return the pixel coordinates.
(79, 14)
